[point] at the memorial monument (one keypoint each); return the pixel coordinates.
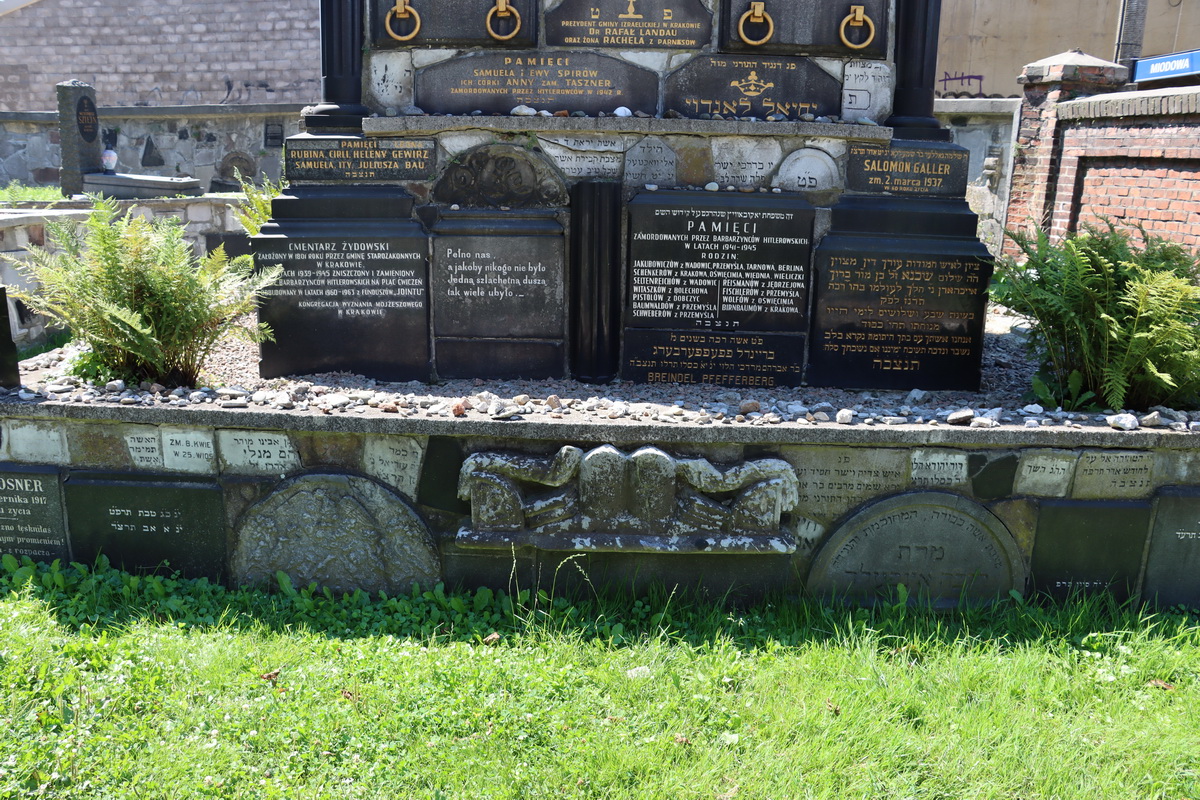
(743, 193)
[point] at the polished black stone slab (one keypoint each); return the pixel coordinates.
(729, 358)
(31, 513)
(455, 23)
(1173, 562)
(499, 358)
(352, 298)
(546, 80)
(756, 86)
(630, 24)
(147, 522)
(719, 261)
(908, 168)
(806, 27)
(1089, 546)
(358, 158)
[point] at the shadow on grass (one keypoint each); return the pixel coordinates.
(92, 600)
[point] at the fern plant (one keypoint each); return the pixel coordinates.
(255, 212)
(1112, 320)
(135, 292)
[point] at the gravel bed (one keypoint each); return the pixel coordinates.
(231, 381)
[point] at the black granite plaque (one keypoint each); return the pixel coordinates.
(31, 513)
(719, 261)
(87, 120)
(358, 158)
(1173, 563)
(1089, 546)
(630, 24)
(808, 27)
(10, 371)
(354, 302)
(908, 168)
(455, 23)
(752, 86)
(897, 313)
(729, 358)
(147, 522)
(501, 277)
(498, 82)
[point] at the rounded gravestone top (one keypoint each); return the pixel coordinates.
(940, 546)
(342, 531)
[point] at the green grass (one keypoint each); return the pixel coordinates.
(119, 686)
(15, 192)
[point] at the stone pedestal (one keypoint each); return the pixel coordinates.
(79, 131)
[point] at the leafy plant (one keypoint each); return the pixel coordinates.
(135, 292)
(15, 192)
(1113, 319)
(255, 212)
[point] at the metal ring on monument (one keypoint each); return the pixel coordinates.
(757, 14)
(856, 19)
(502, 9)
(402, 10)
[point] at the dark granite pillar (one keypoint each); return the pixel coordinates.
(917, 24)
(341, 67)
(79, 130)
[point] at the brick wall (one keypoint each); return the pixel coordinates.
(1087, 154)
(161, 52)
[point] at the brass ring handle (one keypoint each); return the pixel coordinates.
(402, 10)
(502, 9)
(758, 15)
(856, 19)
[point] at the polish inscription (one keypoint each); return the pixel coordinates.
(908, 169)
(337, 158)
(726, 267)
(189, 450)
(629, 24)
(1111, 475)
(31, 518)
(497, 82)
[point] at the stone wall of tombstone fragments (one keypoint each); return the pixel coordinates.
(375, 504)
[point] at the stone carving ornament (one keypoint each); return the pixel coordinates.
(501, 175)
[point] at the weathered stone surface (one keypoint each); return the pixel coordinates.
(585, 163)
(834, 480)
(500, 175)
(1113, 475)
(31, 513)
(395, 460)
(629, 25)
(944, 469)
(257, 453)
(867, 88)
(744, 161)
(651, 161)
(147, 522)
(574, 81)
(1046, 473)
(940, 546)
(1089, 546)
(807, 170)
(34, 442)
(1173, 562)
(191, 450)
(992, 474)
(342, 531)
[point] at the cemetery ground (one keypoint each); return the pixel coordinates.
(152, 686)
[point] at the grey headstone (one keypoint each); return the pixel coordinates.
(1093, 546)
(79, 134)
(498, 175)
(940, 546)
(342, 531)
(752, 86)
(31, 513)
(1173, 563)
(834, 480)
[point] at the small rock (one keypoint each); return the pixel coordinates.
(622, 111)
(1033, 408)
(1122, 422)
(1032, 423)
(749, 407)
(459, 409)
(114, 386)
(916, 397)
(895, 420)
(651, 187)
(712, 186)
(984, 422)
(59, 388)
(522, 111)
(521, 399)
(235, 403)
(845, 416)
(961, 417)
(820, 416)
(554, 401)
(336, 400)
(1151, 420)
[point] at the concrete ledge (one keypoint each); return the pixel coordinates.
(1176, 101)
(976, 106)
